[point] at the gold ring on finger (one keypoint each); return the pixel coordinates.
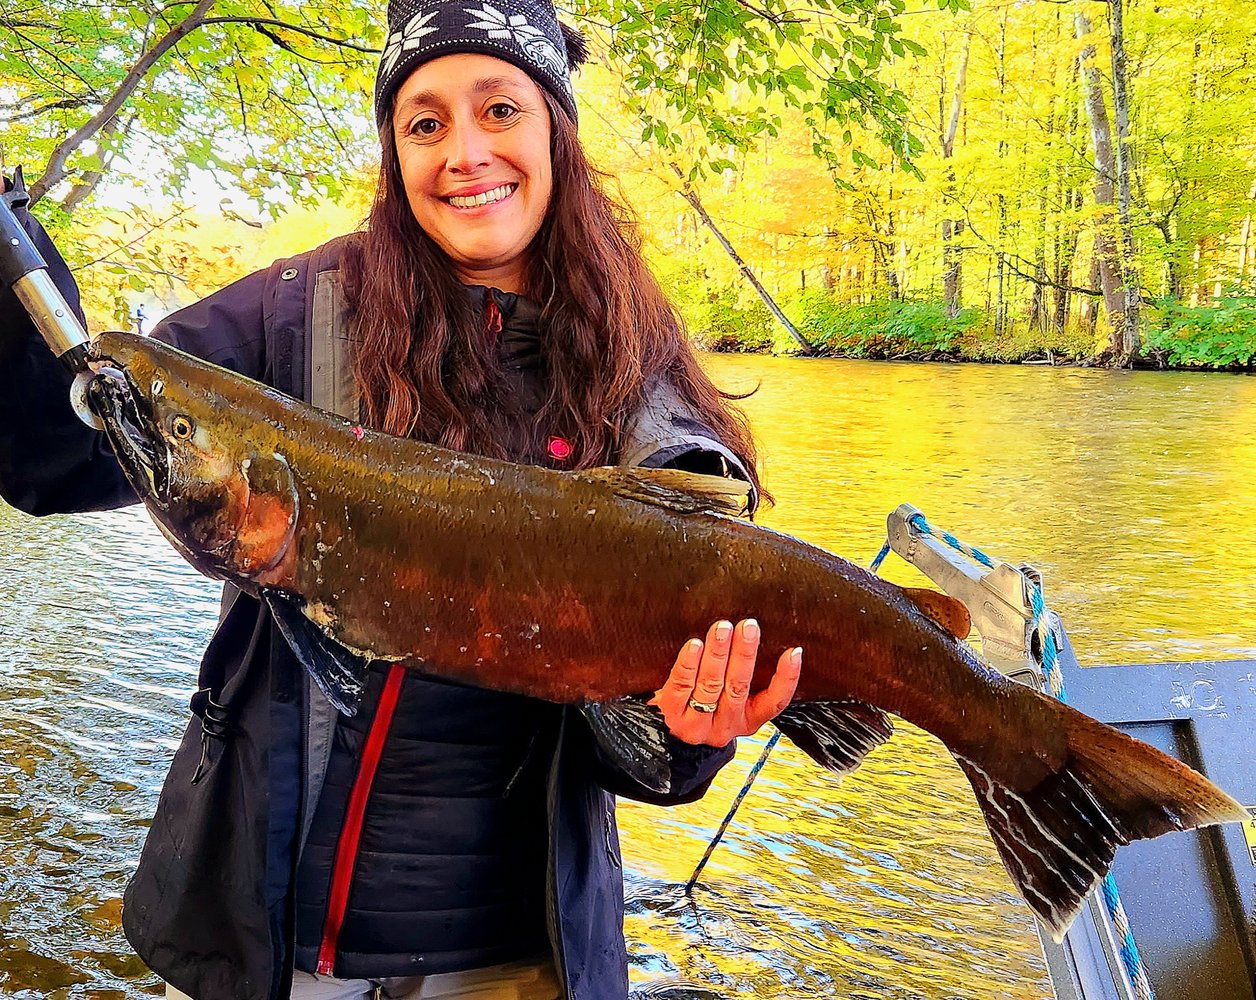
(706, 708)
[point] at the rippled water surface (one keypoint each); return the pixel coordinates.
(1131, 492)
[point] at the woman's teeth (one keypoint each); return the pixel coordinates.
(484, 198)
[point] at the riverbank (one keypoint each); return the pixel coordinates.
(1218, 337)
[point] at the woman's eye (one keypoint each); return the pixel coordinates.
(424, 126)
(502, 112)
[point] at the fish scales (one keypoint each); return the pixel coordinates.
(581, 587)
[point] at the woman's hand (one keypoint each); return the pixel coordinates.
(707, 696)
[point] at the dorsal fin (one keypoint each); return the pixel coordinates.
(685, 492)
(942, 609)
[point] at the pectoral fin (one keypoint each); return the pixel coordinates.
(633, 737)
(339, 674)
(835, 734)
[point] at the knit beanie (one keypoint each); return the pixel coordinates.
(523, 32)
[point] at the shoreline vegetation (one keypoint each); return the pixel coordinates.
(1219, 337)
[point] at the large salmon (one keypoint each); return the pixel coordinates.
(580, 588)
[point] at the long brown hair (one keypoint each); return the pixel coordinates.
(427, 368)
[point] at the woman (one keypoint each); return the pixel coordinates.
(446, 841)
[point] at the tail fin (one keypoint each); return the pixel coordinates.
(1057, 839)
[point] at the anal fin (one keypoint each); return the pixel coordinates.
(633, 736)
(835, 734)
(339, 674)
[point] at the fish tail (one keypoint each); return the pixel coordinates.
(1057, 839)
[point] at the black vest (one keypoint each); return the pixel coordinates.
(448, 858)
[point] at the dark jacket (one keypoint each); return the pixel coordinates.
(210, 905)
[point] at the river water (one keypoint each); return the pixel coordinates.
(1131, 492)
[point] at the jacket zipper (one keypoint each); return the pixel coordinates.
(351, 830)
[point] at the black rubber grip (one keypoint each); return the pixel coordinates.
(18, 255)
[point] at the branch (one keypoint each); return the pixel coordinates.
(1008, 259)
(257, 22)
(777, 19)
(55, 170)
(128, 245)
(69, 102)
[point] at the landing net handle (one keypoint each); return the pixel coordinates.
(23, 269)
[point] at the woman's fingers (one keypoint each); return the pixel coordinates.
(775, 698)
(673, 697)
(729, 720)
(710, 683)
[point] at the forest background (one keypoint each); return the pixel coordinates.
(1003, 180)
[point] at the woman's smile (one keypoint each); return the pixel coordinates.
(475, 198)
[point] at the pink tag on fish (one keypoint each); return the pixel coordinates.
(358, 432)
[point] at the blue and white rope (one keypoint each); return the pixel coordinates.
(1049, 657)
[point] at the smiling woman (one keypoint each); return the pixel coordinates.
(445, 840)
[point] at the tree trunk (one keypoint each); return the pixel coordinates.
(88, 182)
(952, 261)
(1000, 267)
(1106, 252)
(54, 171)
(1246, 255)
(687, 192)
(1130, 341)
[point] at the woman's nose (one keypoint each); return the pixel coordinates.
(469, 149)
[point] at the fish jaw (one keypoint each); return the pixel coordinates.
(130, 427)
(218, 489)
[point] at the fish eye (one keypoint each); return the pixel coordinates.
(182, 427)
(158, 387)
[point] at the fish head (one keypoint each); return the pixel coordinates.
(194, 441)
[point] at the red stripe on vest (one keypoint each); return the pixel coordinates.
(351, 831)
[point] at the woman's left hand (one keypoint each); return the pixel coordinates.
(715, 676)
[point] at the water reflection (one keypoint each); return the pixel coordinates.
(1130, 493)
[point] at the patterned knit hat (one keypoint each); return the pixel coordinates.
(523, 32)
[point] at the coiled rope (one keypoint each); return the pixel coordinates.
(1048, 657)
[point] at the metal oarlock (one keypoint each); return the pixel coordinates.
(996, 595)
(23, 269)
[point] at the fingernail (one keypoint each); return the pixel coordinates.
(750, 629)
(723, 630)
(693, 645)
(795, 657)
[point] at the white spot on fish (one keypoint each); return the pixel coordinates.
(462, 649)
(388, 604)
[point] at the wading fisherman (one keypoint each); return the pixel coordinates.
(446, 841)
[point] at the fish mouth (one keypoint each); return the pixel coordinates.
(133, 432)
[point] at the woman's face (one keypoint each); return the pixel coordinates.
(473, 141)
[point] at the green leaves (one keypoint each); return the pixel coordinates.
(280, 85)
(718, 71)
